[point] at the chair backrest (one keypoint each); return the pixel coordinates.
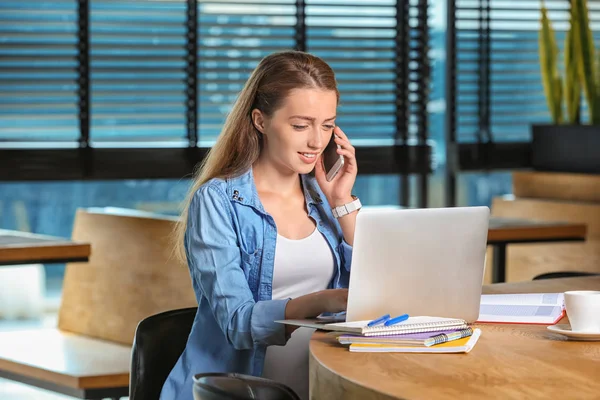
(232, 386)
(158, 343)
(131, 274)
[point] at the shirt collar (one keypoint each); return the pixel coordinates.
(242, 189)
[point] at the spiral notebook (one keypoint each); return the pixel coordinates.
(425, 339)
(463, 345)
(411, 325)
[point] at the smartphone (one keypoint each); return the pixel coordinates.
(332, 161)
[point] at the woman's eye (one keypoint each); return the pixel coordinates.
(299, 127)
(329, 126)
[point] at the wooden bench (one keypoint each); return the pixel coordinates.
(131, 274)
(527, 260)
(67, 363)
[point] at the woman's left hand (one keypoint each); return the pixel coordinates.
(339, 190)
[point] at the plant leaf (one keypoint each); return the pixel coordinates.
(548, 53)
(572, 91)
(583, 44)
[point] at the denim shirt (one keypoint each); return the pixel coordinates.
(230, 247)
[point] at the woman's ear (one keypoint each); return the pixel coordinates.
(258, 120)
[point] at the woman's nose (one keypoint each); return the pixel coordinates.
(316, 138)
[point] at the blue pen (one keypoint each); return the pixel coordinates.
(379, 320)
(396, 320)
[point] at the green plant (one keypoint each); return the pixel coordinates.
(581, 69)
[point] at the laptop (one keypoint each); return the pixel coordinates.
(421, 262)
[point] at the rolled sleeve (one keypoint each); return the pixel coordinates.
(215, 262)
(264, 327)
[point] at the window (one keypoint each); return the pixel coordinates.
(494, 86)
(137, 71)
(38, 71)
(161, 76)
(359, 41)
(233, 38)
(499, 89)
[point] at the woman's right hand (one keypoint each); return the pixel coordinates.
(314, 304)
(334, 300)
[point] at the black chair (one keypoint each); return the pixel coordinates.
(563, 274)
(158, 343)
(239, 387)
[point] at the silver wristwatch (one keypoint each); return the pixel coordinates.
(347, 208)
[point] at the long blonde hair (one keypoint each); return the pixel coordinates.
(239, 143)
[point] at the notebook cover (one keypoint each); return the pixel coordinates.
(560, 316)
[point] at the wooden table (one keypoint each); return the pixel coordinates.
(504, 231)
(510, 361)
(27, 248)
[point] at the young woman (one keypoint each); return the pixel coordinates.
(258, 231)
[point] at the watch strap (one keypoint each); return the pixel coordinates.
(347, 208)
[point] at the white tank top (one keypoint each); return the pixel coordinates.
(301, 267)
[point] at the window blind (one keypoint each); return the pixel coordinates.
(38, 71)
(358, 39)
(233, 37)
(137, 70)
(499, 92)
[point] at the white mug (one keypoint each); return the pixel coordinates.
(583, 309)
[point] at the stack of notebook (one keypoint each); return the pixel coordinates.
(461, 341)
(414, 335)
